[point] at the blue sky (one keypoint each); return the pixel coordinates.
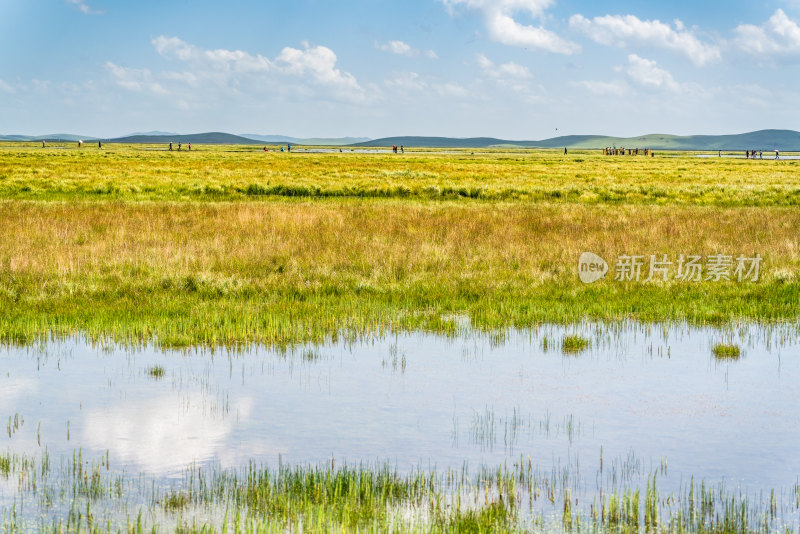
(516, 69)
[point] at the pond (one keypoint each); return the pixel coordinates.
(638, 401)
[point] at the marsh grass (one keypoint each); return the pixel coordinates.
(282, 273)
(223, 173)
(85, 495)
(228, 245)
(726, 351)
(379, 499)
(156, 371)
(573, 344)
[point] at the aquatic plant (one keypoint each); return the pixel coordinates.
(725, 351)
(573, 343)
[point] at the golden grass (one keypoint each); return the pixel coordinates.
(284, 243)
(137, 172)
(285, 271)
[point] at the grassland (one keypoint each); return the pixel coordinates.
(236, 173)
(233, 245)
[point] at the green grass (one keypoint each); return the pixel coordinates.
(154, 247)
(226, 173)
(366, 498)
(725, 351)
(156, 371)
(573, 344)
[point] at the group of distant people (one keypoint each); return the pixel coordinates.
(402, 149)
(180, 146)
(751, 154)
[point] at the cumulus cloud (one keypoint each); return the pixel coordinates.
(318, 63)
(6, 87)
(512, 76)
(220, 59)
(404, 49)
(779, 36)
(647, 73)
(134, 79)
(625, 30)
(502, 27)
(506, 71)
(297, 70)
(400, 48)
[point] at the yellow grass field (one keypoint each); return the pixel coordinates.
(144, 245)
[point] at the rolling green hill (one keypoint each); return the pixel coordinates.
(765, 140)
(759, 140)
(210, 138)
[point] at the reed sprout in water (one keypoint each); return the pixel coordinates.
(573, 344)
(726, 351)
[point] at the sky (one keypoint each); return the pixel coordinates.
(512, 69)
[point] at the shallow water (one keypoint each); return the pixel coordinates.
(644, 399)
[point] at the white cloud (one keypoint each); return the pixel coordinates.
(134, 79)
(503, 28)
(400, 48)
(511, 76)
(506, 71)
(647, 73)
(408, 82)
(227, 60)
(83, 7)
(404, 49)
(779, 36)
(600, 88)
(6, 87)
(319, 63)
(294, 70)
(624, 30)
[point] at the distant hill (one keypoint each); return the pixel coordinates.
(47, 137)
(759, 140)
(437, 142)
(210, 138)
(154, 132)
(326, 141)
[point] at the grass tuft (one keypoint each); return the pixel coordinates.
(573, 344)
(726, 351)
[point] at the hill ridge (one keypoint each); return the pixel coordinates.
(767, 140)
